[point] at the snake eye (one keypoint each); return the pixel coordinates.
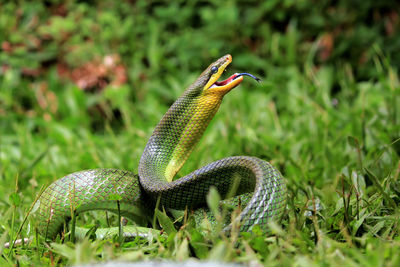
(214, 70)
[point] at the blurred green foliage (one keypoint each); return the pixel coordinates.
(164, 42)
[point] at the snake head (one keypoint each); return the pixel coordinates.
(214, 72)
(211, 75)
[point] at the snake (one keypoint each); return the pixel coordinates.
(260, 190)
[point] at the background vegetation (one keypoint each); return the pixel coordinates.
(83, 83)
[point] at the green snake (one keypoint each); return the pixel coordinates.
(171, 143)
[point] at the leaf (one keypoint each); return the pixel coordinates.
(380, 188)
(220, 252)
(91, 233)
(213, 199)
(353, 141)
(183, 250)
(377, 227)
(63, 249)
(360, 221)
(258, 243)
(358, 182)
(165, 222)
(275, 228)
(15, 199)
(198, 244)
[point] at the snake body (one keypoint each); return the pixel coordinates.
(168, 148)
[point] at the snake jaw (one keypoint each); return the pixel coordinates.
(228, 84)
(213, 85)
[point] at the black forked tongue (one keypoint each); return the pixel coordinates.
(248, 74)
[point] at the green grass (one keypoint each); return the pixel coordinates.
(339, 155)
(331, 126)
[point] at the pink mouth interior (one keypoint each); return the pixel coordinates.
(224, 82)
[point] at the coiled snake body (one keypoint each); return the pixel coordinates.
(166, 151)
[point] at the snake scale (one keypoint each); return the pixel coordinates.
(171, 143)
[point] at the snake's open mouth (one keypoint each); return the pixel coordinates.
(228, 84)
(225, 82)
(232, 79)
